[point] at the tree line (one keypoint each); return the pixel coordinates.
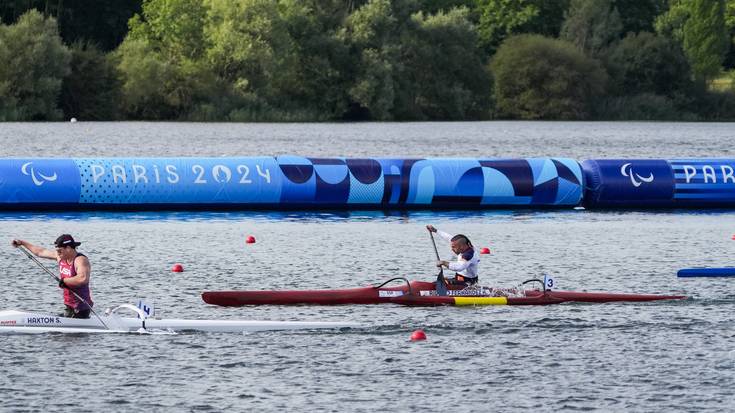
(383, 60)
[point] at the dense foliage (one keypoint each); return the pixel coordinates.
(34, 64)
(321, 60)
(542, 78)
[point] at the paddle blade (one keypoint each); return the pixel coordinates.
(441, 284)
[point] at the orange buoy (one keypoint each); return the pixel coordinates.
(485, 250)
(250, 239)
(177, 268)
(418, 335)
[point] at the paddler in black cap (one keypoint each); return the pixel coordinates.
(74, 272)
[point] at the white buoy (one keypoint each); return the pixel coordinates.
(73, 120)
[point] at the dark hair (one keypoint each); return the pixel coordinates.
(462, 237)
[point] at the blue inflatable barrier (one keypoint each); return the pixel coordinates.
(659, 183)
(285, 182)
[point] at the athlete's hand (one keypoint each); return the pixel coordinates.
(62, 284)
(431, 228)
(16, 243)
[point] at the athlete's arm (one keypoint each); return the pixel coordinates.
(445, 236)
(35, 249)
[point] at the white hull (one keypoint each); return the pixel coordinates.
(12, 321)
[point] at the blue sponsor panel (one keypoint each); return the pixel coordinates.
(38, 182)
(176, 181)
(628, 183)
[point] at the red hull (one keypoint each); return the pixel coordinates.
(400, 295)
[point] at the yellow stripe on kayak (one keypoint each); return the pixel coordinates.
(480, 301)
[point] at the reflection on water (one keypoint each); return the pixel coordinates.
(306, 216)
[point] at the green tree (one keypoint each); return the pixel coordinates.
(699, 26)
(499, 19)
(730, 25)
(409, 65)
(322, 67)
(671, 23)
(251, 47)
(647, 63)
(372, 33)
(174, 28)
(451, 80)
(541, 78)
(161, 61)
(434, 6)
(91, 91)
(34, 64)
(592, 25)
(705, 37)
(639, 15)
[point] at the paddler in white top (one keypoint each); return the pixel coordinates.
(465, 267)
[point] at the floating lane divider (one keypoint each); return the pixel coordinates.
(288, 182)
(659, 183)
(706, 272)
(294, 182)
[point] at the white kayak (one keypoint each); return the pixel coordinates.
(12, 321)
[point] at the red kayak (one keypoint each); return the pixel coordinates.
(418, 293)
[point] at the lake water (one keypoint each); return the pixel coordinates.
(665, 356)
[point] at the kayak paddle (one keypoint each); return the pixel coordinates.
(441, 284)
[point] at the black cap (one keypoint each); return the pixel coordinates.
(66, 240)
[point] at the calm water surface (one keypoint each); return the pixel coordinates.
(677, 356)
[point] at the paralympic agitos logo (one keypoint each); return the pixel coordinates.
(37, 177)
(637, 180)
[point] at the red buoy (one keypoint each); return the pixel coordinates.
(177, 268)
(250, 239)
(418, 335)
(485, 250)
(733, 237)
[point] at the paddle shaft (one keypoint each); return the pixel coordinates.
(30, 255)
(436, 251)
(441, 286)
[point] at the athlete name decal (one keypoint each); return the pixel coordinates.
(43, 320)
